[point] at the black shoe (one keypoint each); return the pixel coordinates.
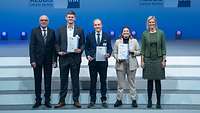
(158, 106)
(91, 105)
(59, 105)
(48, 104)
(118, 103)
(149, 105)
(77, 104)
(104, 104)
(37, 104)
(134, 103)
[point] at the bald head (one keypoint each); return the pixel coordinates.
(97, 24)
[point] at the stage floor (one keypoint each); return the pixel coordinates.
(180, 90)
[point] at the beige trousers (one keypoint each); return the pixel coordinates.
(121, 76)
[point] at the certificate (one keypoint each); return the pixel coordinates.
(100, 53)
(123, 51)
(72, 43)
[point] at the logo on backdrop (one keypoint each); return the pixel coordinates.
(73, 4)
(55, 3)
(165, 3)
(184, 3)
(41, 3)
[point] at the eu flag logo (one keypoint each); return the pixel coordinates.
(73, 4)
(184, 3)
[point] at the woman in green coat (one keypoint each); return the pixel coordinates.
(153, 59)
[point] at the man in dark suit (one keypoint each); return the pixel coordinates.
(97, 38)
(70, 57)
(42, 56)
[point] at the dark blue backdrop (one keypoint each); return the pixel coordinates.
(19, 15)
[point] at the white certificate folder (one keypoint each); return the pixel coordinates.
(123, 51)
(100, 53)
(72, 44)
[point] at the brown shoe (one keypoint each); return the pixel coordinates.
(77, 104)
(59, 105)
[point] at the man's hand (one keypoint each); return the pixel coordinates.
(61, 53)
(90, 58)
(77, 50)
(107, 55)
(33, 64)
(54, 65)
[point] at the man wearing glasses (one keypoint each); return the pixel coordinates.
(42, 57)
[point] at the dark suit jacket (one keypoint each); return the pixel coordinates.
(61, 43)
(90, 46)
(40, 51)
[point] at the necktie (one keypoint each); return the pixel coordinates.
(44, 35)
(98, 39)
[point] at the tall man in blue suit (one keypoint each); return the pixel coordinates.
(70, 57)
(42, 56)
(96, 39)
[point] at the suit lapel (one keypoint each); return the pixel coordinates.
(41, 38)
(94, 39)
(48, 35)
(75, 31)
(65, 36)
(40, 31)
(102, 38)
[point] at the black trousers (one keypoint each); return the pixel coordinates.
(74, 69)
(157, 87)
(47, 69)
(95, 68)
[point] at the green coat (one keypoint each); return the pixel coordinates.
(153, 69)
(161, 48)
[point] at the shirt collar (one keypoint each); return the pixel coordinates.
(70, 27)
(43, 28)
(98, 33)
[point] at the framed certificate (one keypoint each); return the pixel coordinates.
(100, 53)
(123, 51)
(72, 43)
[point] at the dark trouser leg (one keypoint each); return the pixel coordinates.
(93, 80)
(47, 81)
(38, 81)
(64, 75)
(74, 71)
(102, 69)
(158, 90)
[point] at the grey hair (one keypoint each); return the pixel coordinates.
(147, 22)
(44, 16)
(97, 19)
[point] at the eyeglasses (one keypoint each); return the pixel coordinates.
(43, 20)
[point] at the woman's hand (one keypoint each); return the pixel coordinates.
(163, 64)
(142, 64)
